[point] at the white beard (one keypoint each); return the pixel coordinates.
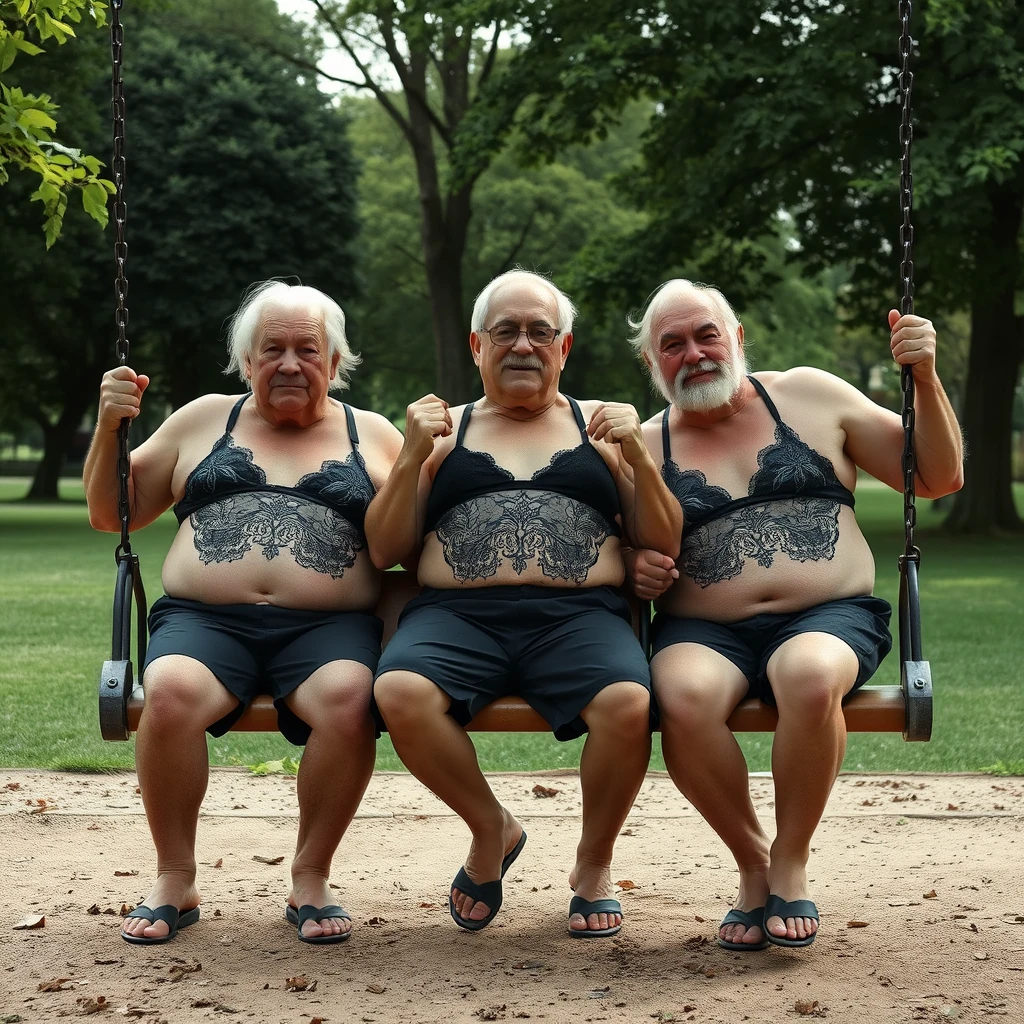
(712, 393)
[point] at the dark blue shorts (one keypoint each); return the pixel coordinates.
(259, 648)
(556, 648)
(860, 622)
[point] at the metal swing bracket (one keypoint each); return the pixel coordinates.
(116, 677)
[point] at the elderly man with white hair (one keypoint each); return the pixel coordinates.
(269, 588)
(771, 595)
(516, 508)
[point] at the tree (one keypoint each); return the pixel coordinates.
(237, 171)
(27, 125)
(794, 105)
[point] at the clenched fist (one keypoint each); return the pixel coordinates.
(913, 343)
(426, 420)
(618, 423)
(120, 397)
(652, 573)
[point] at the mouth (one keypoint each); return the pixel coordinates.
(692, 378)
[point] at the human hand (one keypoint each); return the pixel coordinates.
(652, 573)
(913, 344)
(426, 420)
(120, 397)
(618, 423)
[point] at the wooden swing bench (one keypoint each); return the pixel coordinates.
(904, 709)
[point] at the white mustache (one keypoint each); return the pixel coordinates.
(520, 363)
(704, 366)
(289, 382)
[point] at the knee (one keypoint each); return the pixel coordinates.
(623, 707)
(810, 689)
(175, 700)
(689, 708)
(342, 705)
(404, 699)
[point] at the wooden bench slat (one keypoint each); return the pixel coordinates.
(870, 709)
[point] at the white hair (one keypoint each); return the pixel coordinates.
(644, 343)
(244, 331)
(563, 304)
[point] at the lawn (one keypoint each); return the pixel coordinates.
(56, 582)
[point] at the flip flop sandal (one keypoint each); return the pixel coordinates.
(578, 905)
(307, 912)
(776, 906)
(483, 892)
(169, 914)
(749, 919)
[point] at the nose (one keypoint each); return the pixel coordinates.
(693, 353)
(522, 344)
(289, 362)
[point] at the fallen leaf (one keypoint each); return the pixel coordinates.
(41, 806)
(377, 990)
(933, 895)
(300, 983)
(538, 791)
(428, 906)
(952, 807)
(36, 921)
(125, 874)
(220, 862)
(91, 1005)
(126, 910)
(268, 860)
(626, 884)
(805, 1006)
(698, 919)
(93, 827)
(856, 924)
(54, 985)
(13, 785)
(491, 1012)
(178, 971)
(376, 922)
(94, 909)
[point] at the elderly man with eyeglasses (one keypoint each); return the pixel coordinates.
(516, 509)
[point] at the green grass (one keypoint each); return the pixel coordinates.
(56, 582)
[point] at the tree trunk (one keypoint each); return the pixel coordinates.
(985, 505)
(56, 438)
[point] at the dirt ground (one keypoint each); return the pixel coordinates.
(918, 879)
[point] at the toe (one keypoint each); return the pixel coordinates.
(776, 926)
(578, 923)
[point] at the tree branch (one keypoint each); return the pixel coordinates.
(514, 251)
(485, 71)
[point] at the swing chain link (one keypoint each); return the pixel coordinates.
(120, 215)
(909, 463)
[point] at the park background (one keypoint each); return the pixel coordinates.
(399, 155)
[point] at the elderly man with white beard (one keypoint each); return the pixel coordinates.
(771, 594)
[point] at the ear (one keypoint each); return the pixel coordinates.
(474, 346)
(739, 336)
(647, 359)
(335, 361)
(247, 366)
(566, 345)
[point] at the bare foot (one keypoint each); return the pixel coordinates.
(753, 893)
(177, 888)
(789, 882)
(483, 864)
(593, 882)
(314, 890)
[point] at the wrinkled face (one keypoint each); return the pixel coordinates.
(520, 371)
(289, 369)
(696, 364)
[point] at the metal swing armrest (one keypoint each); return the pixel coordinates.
(116, 677)
(915, 672)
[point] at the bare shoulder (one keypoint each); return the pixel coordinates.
(808, 384)
(200, 414)
(374, 427)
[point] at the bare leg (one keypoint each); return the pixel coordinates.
(697, 689)
(183, 697)
(436, 749)
(615, 758)
(809, 675)
(335, 769)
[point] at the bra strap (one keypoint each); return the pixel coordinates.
(461, 436)
(578, 413)
(759, 387)
(235, 410)
(353, 434)
(666, 441)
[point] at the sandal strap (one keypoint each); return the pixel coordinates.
(578, 905)
(307, 912)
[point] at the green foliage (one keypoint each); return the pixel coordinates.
(282, 766)
(27, 124)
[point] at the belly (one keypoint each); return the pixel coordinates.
(493, 561)
(282, 569)
(730, 575)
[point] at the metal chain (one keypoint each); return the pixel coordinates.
(906, 86)
(120, 213)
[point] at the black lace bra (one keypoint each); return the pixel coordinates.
(788, 468)
(579, 474)
(228, 470)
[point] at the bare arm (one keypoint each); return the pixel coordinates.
(394, 520)
(652, 516)
(151, 465)
(874, 436)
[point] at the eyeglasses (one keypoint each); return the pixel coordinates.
(538, 335)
